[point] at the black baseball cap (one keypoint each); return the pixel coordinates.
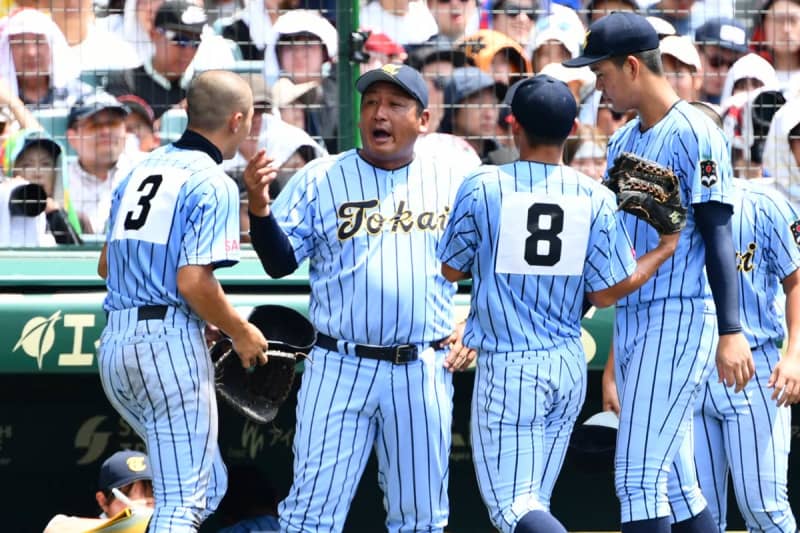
(544, 107)
(436, 48)
(405, 77)
(723, 32)
(180, 16)
(618, 34)
(123, 468)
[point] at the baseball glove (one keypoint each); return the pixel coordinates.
(648, 191)
(258, 392)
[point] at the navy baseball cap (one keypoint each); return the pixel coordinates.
(93, 103)
(723, 32)
(123, 468)
(544, 107)
(620, 33)
(405, 77)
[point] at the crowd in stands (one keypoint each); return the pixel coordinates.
(87, 87)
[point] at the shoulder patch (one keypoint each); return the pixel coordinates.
(708, 173)
(795, 227)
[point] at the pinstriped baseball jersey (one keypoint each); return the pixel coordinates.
(175, 208)
(746, 433)
(573, 245)
(766, 232)
(370, 236)
(695, 149)
(535, 238)
(360, 291)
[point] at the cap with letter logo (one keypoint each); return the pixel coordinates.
(123, 468)
(405, 77)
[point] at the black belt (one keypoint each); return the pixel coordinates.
(401, 353)
(151, 312)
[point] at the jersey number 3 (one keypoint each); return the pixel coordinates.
(150, 184)
(556, 238)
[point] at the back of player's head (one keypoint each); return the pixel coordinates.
(213, 96)
(545, 108)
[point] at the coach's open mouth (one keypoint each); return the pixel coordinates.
(380, 134)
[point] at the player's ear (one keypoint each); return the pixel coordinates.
(515, 126)
(575, 125)
(235, 121)
(102, 501)
(424, 121)
(631, 67)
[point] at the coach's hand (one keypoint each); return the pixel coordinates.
(258, 175)
(459, 357)
(785, 379)
(250, 346)
(734, 361)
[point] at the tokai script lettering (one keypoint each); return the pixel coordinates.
(361, 215)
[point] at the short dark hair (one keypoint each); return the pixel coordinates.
(649, 58)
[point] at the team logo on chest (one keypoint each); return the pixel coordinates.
(358, 215)
(745, 260)
(795, 227)
(708, 173)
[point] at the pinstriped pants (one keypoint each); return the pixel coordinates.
(158, 375)
(346, 406)
(748, 436)
(664, 352)
(524, 406)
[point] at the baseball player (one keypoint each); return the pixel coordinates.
(368, 220)
(667, 332)
(174, 219)
(749, 434)
(531, 374)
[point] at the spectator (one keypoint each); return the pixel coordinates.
(13, 113)
(552, 45)
(292, 100)
(405, 21)
(676, 12)
(496, 54)
(776, 36)
(747, 149)
(136, 26)
(96, 130)
(471, 110)
(140, 123)
(597, 9)
(37, 62)
(382, 50)
(663, 28)
(747, 74)
(454, 18)
(306, 46)
(125, 482)
(589, 156)
(436, 59)
(31, 162)
(262, 104)
(782, 150)
(290, 149)
(251, 28)
(94, 47)
(515, 18)
(720, 43)
(162, 80)
(682, 66)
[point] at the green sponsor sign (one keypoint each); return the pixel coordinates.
(51, 315)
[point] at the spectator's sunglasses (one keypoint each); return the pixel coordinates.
(512, 10)
(719, 61)
(184, 40)
(448, 1)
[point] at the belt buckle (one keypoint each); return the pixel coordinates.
(404, 353)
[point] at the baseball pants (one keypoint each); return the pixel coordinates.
(158, 375)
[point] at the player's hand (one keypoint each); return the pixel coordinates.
(460, 357)
(785, 379)
(251, 346)
(610, 393)
(734, 361)
(258, 174)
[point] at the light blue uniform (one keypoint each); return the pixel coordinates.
(747, 434)
(370, 236)
(176, 208)
(535, 238)
(666, 332)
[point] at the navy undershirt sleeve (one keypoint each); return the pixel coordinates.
(272, 246)
(713, 221)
